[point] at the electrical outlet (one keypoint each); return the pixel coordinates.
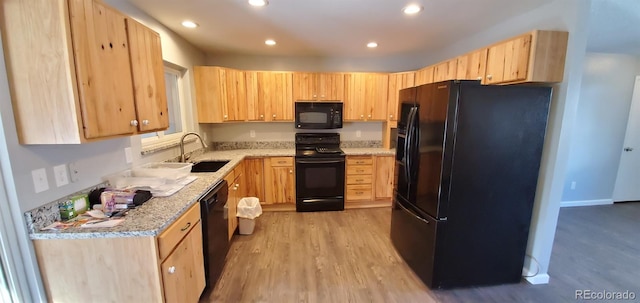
(40, 182)
(252, 133)
(61, 175)
(73, 171)
(128, 157)
(358, 134)
(573, 185)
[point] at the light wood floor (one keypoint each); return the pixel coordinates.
(348, 257)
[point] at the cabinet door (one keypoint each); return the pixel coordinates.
(182, 271)
(210, 92)
(383, 186)
(256, 110)
(472, 66)
(366, 96)
(516, 58)
(234, 106)
(424, 75)
(376, 94)
(279, 180)
(148, 77)
(103, 69)
(304, 86)
(275, 91)
(397, 81)
(232, 208)
(254, 176)
(445, 71)
(508, 61)
(354, 102)
(330, 86)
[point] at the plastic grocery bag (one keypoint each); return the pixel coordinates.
(249, 208)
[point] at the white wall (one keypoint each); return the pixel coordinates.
(598, 137)
(285, 131)
(94, 160)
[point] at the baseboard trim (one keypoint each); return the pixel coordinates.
(586, 203)
(538, 279)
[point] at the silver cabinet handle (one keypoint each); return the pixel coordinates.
(274, 115)
(261, 116)
(479, 78)
(226, 117)
(134, 122)
(361, 116)
(369, 116)
(489, 77)
(145, 122)
(391, 116)
(172, 269)
(315, 96)
(291, 171)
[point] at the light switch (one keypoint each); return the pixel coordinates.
(61, 175)
(40, 182)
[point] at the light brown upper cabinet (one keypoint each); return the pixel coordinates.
(472, 66)
(70, 72)
(537, 56)
(220, 94)
(275, 94)
(424, 75)
(318, 86)
(397, 81)
(148, 77)
(445, 70)
(366, 96)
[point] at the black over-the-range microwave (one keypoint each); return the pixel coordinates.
(318, 115)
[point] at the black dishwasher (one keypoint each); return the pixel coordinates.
(215, 230)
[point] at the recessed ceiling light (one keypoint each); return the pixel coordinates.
(270, 42)
(372, 45)
(189, 24)
(412, 9)
(258, 2)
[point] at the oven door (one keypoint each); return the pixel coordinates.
(320, 178)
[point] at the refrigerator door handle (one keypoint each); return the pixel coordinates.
(407, 147)
(412, 213)
(415, 141)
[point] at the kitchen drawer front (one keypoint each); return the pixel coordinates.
(359, 192)
(360, 160)
(168, 240)
(282, 161)
(359, 179)
(359, 170)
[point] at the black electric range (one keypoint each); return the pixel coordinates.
(320, 172)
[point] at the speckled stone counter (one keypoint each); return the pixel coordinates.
(157, 214)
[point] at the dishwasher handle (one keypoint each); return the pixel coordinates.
(218, 193)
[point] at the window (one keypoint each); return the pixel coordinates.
(173, 79)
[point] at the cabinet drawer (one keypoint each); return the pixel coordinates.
(359, 179)
(360, 160)
(359, 192)
(174, 233)
(281, 161)
(359, 170)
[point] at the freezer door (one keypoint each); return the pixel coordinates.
(415, 239)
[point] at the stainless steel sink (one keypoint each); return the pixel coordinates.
(208, 166)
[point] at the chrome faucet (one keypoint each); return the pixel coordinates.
(182, 144)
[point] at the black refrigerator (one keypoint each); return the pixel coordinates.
(467, 163)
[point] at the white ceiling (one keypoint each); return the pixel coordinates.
(341, 28)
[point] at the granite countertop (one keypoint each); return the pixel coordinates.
(155, 215)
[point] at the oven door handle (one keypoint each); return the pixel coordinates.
(320, 161)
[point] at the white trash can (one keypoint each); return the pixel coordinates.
(248, 210)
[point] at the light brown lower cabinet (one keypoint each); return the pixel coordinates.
(279, 180)
(167, 268)
(236, 182)
(369, 181)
